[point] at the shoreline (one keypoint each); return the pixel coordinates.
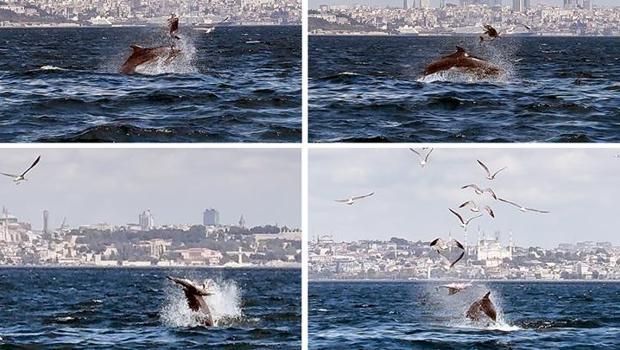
(310, 280)
(463, 35)
(155, 25)
(58, 267)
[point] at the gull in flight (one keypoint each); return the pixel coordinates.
(463, 222)
(352, 200)
(522, 208)
(454, 288)
(19, 178)
(489, 175)
(441, 247)
(423, 158)
(480, 191)
(472, 206)
(476, 209)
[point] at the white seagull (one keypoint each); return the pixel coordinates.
(19, 178)
(441, 247)
(352, 200)
(522, 208)
(489, 175)
(423, 159)
(463, 222)
(480, 191)
(472, 206)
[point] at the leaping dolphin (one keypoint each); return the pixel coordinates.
(194, 294)
(145, 55)
(482, 307)
(464, 62)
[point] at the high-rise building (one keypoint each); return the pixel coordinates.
(521, 5)
(442, 4)
(46, 218)
(424, 4)
(570, 4)
(211, 217)
(587, 5)
(146, 220)
(405, 4)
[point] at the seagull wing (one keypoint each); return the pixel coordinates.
(458, 244)
(470, 219)
(428, 155)
(457, 260)
(491, 192)
(537, 211)
(490, 211)
(475, 187)
(500, 170)
(509, 202)
(416, 152)
(435, 242)
(484, 167)
(364, 196)
(457, 215)
(9, 175)
(32, 166)
(341, 200)
(467, 203)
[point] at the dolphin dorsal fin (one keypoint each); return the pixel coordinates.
(136, 48)
(486, 296)
(460, 49)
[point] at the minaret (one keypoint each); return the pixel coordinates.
(510, 246)
(242, 221)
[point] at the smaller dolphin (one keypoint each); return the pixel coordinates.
(194, 294)
(454, 288)
(145, 55)
(464, 62)
(482, 307)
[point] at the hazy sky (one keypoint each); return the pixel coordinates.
(579, 187)
(115, 185)
(435, 3)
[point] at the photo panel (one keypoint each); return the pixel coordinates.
(150, 248)
(475, 248)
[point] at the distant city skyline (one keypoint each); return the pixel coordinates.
(435, 3)
(115, 186)
(579, 187)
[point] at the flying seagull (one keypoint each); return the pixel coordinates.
(19, 178)
(463, 222)
(441, 247)
(489, 175)
(522, 208)
(423, 158)
(352, 200)
(480, 191)
(472, 206)
(454, 288)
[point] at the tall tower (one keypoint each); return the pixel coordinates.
(46, 217)
(241, 221)
(405, 4)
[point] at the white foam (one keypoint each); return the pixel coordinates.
(51, 68)
(184, 63)
(224, 304)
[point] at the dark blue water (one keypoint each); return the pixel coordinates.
(141, 309)
(554, 90)
(237, 84)
(375, 315)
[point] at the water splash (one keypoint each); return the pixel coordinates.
(450, 310)
(184, 63)
(225, 306)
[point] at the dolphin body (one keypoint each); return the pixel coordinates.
(481, 308)
(141, 55)
(194, 294)
(464, 62)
